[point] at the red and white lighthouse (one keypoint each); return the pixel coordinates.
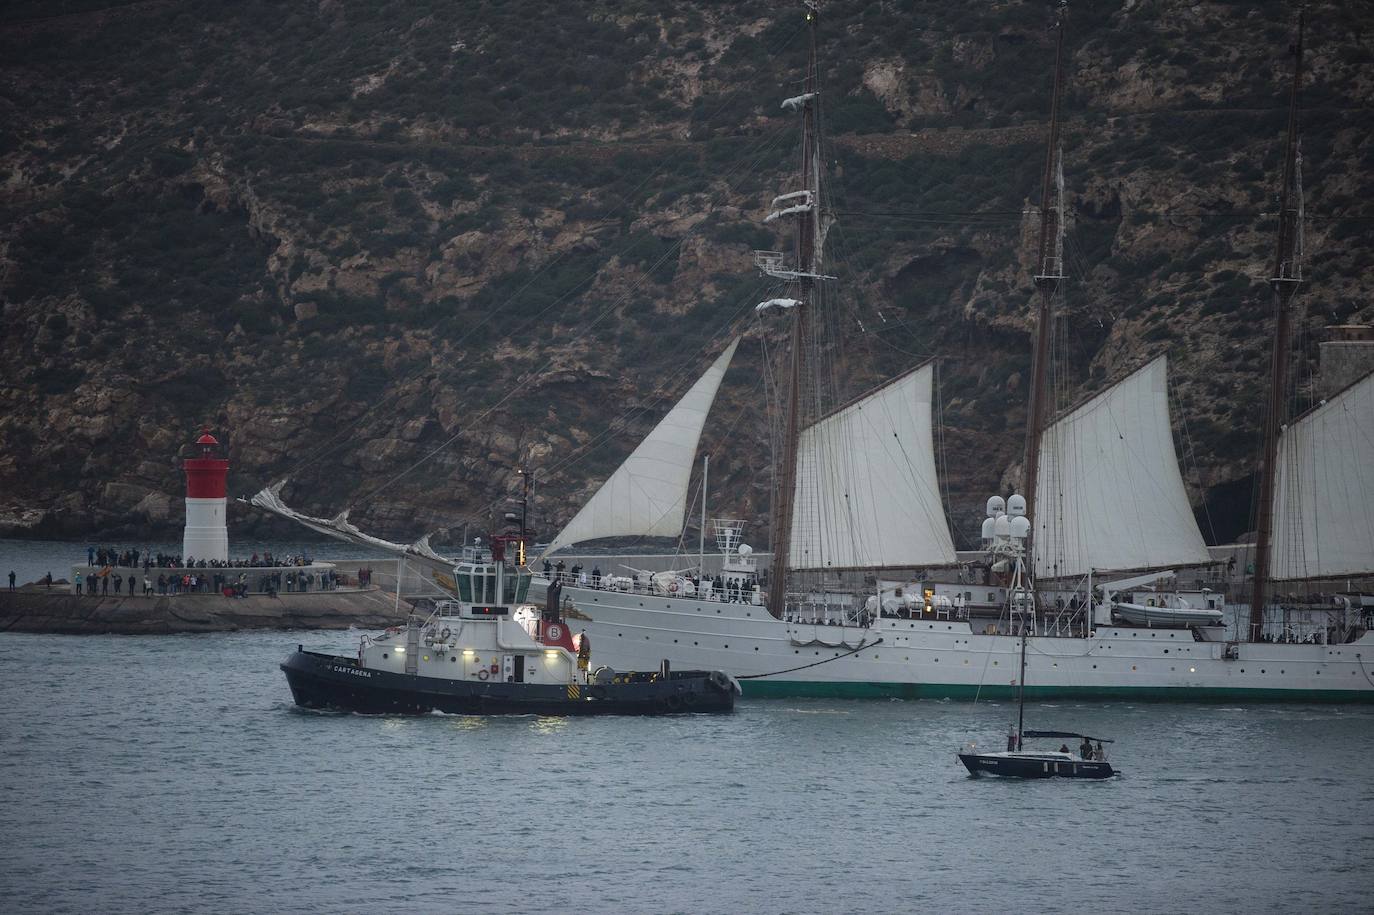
(206, 535)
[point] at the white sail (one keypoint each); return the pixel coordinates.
(1324, 497)
(1109, 493)
(647, 495)
(866, 492)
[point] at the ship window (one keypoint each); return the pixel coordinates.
(522, 586)
(465, 587)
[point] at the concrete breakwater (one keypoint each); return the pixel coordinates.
(34, 609)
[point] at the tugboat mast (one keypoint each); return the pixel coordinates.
(1284, 281)
(807, 205)
(1050, 270)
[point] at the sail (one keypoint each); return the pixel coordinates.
(647, 495)
(1323, 525)
(1110, 493)
(866, 494)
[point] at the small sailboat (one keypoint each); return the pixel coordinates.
(1009, 531)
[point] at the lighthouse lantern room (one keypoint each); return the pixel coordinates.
(206, 535)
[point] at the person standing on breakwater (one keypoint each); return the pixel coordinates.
(11, 580)
(77, 583)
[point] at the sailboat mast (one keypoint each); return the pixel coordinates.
(1049, 271)
(1021, 690)
(807, 225)
(1284, 281)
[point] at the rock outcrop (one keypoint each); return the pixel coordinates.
(393, 257)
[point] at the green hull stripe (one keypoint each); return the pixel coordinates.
(780, 689)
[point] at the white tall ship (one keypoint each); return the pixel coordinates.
(866, 596)
(860, 511)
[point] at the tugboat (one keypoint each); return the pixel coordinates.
(484, 654)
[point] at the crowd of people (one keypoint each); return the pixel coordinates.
(115, 572)
(110, 582)
(101, 557)
(732, 590)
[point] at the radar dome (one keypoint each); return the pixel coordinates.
(1020, 527)
(1002, 526)
(996, 506)
(988, 528)
(745, 549)
(1016, 506)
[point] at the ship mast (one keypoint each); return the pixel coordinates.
(1049, 272)
(1284, 281)
(806, 205)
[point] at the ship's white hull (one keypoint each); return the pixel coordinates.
(946, 658)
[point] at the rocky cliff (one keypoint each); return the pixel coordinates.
(396, 250)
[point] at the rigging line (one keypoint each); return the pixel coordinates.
(581, 450)
(789, 670)
(1190, 451)
(662, 392)
(514, 389)
(623, 422)
(341, 438)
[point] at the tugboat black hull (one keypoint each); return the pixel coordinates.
(1032, 766)
(320, 681)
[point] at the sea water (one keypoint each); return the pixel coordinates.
(174, 774)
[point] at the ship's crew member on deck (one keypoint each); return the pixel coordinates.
(547, 566)
(584, 651)
(1085, 749)
(558, 569)
(596, 576)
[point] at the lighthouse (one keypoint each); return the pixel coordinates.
(206, 536)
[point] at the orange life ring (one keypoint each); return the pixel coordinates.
(482, 674)
(672, 589)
